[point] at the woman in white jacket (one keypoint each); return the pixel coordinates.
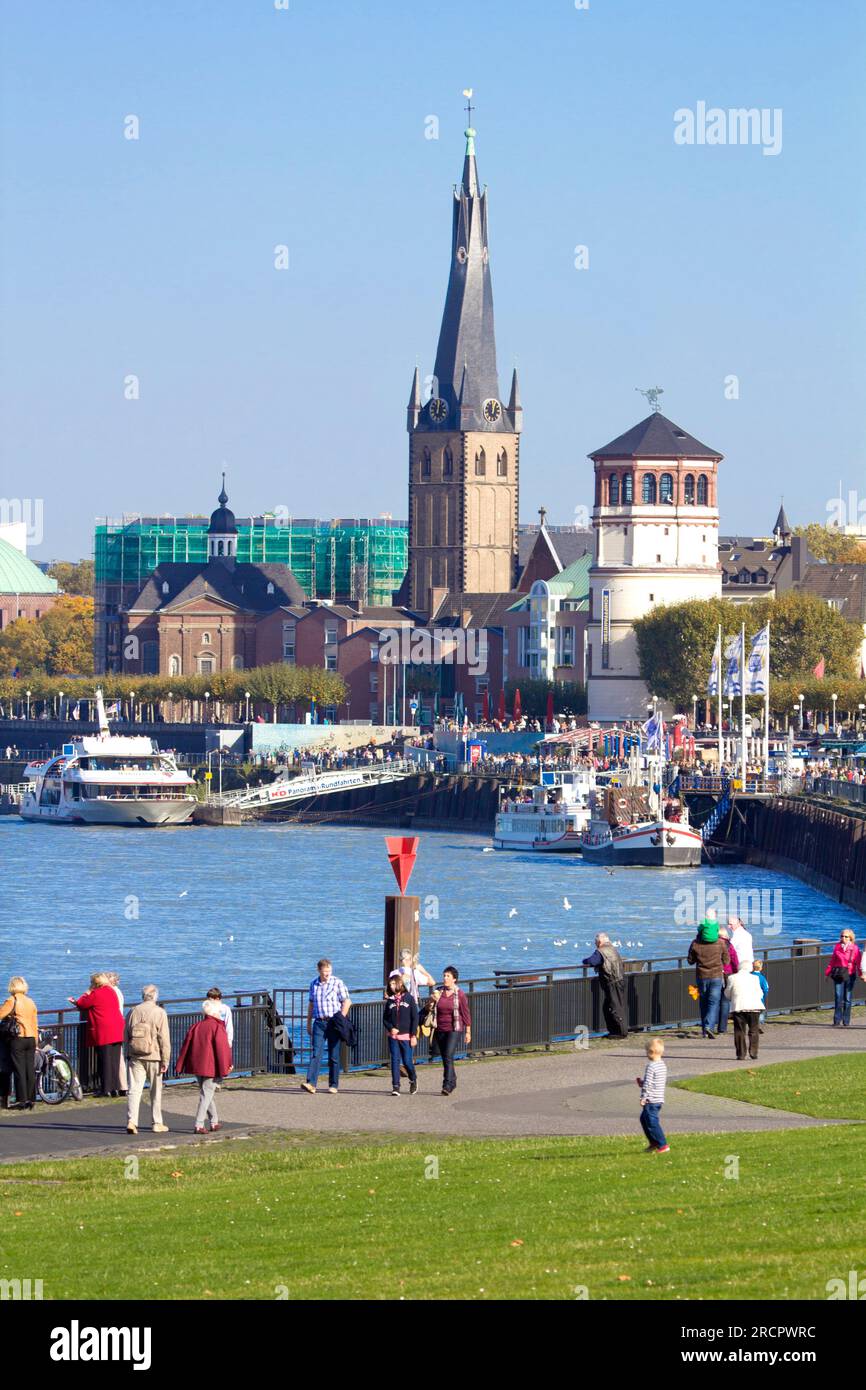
(747, 1001)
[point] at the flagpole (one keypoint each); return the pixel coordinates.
(720, 683)
(743, 704)
(767, 713)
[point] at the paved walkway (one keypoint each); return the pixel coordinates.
(576, 1092)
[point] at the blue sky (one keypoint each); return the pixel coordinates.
(306, 127)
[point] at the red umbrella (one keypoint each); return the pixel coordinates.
(485, 707)
(500, 713)
(550, 709)
(517, 709)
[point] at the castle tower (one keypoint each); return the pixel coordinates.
(656, 524)
(222, 533)
(464, 441)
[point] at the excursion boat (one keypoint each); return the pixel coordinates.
(554, 819)
(108, 779)
(630, 826)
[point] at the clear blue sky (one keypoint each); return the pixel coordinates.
(307, 128)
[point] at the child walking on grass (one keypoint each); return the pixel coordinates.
(652, 1097)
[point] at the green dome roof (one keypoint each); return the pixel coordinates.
(18, 575)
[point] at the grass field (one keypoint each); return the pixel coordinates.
(831, 1088)
(504, 1219)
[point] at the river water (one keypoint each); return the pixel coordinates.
(254, 906)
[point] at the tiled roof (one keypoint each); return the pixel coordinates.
(655, 437)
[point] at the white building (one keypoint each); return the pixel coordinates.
(656, 524)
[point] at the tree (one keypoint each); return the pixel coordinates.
(74, 578)
(59, 643)
(826, 543)
(675, 643)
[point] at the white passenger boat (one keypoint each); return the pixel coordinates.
(553, 816)
(108, 779)
(631, 825)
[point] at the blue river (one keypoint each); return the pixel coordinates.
(253, 907)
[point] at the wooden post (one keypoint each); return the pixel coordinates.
(402, 930)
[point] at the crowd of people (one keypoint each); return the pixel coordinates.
(133, 1048)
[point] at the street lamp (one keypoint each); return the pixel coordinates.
(247, 698)
(206, 698)
(132, 706)
(834, 698)
(694, 712)
(60, 696)
(171, 707)
(800, 699)
(27, 693)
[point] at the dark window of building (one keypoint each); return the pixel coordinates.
(502, 464)
(702, 490)
(447, 464)
(150, 658)
(628, 488)
(689, 490)
(425, 464)
(480, 464)
(613, 490)
(666, 488)
(648, 489)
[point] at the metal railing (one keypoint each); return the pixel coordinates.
(841, 791)
(513, 1009)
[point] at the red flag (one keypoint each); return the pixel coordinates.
(500, 713)
(550, 709)
(517, 709)
(819, 669)
(485, 707)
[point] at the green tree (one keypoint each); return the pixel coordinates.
(831, 545)
(675, 646)
(74, 578)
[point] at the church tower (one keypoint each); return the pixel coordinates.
(464, 440)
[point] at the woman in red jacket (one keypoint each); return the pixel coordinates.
(843, 970)
(207, 1055)
(104, 1031)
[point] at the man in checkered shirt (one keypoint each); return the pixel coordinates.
(328, 997)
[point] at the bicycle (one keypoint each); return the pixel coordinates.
(56, 1078)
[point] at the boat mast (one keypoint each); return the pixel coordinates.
(101, 717)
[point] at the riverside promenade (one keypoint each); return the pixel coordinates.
(569, 1092)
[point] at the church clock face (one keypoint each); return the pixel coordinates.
(492, 411)
(438, 409)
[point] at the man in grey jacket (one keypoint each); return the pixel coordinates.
(148, 1052)
(607, 961)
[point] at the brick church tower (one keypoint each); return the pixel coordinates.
(464, 441)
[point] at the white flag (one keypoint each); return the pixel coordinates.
(758, 666)
(733, 678)
(713, 682)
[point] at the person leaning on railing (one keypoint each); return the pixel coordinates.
(104, 1030)
(22, 1042)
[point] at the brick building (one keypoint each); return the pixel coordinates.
(25, 592)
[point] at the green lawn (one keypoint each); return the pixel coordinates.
(504, 1219)
(831, 1088)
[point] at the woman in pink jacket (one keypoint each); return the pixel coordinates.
(843, 970)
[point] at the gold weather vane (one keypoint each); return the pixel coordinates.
(652, 394)
(467, 92)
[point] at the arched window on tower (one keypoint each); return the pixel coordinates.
(447, 464)
(689, 489)
(666, 488)
(425, 464)
(501, 464)
(702, 490)
(648, 488)
(628, 488)
(219, 547)
(480, 464)
(613, 490)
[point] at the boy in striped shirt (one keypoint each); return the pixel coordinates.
(652, 1097)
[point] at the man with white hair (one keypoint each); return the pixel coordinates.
(741, 940)
(607, 963)
(148, 1052)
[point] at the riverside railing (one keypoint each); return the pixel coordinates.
(841, 791)
(510, 1010)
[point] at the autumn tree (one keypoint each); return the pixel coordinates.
(58, 643)
(74, 578)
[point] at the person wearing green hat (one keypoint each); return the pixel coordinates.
(709, 956)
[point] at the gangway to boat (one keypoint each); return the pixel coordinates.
(288, 789)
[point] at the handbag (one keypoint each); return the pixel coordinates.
(10, 1026)
(840, 975)
(428, 1022)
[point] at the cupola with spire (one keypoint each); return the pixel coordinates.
(222, 533)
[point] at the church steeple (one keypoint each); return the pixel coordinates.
(467, 340)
